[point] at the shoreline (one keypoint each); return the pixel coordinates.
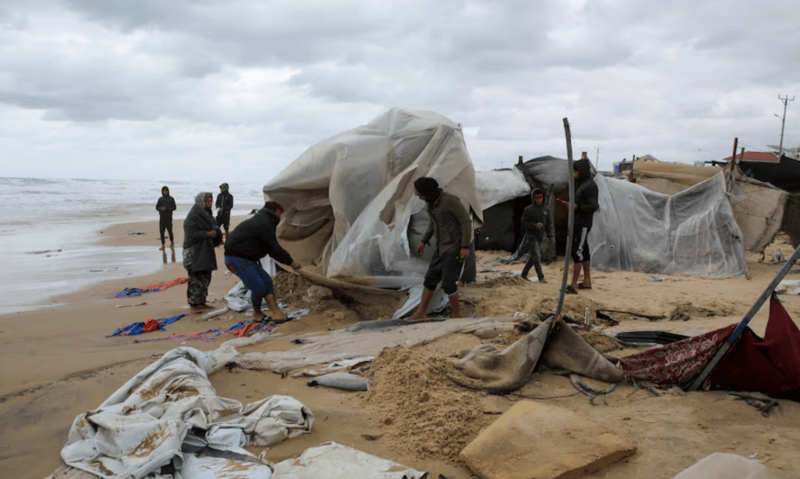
(60, 363)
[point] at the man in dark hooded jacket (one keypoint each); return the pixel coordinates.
(586, 203)
(200, 236)
(224, 205)
(165, 206)
(536, 221)
(250, 241)
(453, 227)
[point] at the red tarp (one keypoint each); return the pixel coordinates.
(770, 365)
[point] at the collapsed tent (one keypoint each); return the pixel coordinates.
(770, 365)
(349, 202)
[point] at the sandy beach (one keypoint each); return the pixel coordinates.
(59, 362)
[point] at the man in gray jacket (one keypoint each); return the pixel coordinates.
(453, 227)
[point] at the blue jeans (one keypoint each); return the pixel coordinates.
(253, 276)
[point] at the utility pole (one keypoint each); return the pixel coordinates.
(785, 101)
(597, 157)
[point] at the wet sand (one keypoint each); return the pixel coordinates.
(59, 363)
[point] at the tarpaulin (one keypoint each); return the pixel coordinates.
(674, 363)
(770, 365)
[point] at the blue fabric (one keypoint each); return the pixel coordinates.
(253, 276)
(138, 328)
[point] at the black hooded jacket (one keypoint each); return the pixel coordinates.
(166, 202)
(585, 195)
(255, 238)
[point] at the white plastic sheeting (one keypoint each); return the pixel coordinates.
(497, 186)
(143, 425)
(335, 461)
(692, 232)
(353, 194)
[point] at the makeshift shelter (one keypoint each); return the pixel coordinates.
(760, 208)
(691, 232)
(349, 202)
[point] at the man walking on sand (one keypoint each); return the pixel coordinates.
(165, 206)
(453, 227)
(250, 241)
(586, 203)
(536, 221)
(224, 205)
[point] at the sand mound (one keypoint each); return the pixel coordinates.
(421, 412)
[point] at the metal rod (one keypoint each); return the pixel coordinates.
(698, 381)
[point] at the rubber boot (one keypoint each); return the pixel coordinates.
(455, 306)
(420, 313)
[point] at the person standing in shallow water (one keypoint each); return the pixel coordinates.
(165, 206)
(536, 221)
(250, 241)
(453, 227)
(200, 236)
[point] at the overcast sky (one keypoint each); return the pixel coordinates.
(237, 89)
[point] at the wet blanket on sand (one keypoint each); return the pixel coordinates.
(150, 288)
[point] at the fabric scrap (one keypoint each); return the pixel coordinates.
(151, 288)
(140, 327)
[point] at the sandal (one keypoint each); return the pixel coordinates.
(584, 286)
(570, 290)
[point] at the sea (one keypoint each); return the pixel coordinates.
(50, 232)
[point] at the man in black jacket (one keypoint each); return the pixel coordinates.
(224, 205)
(250, 241)
(536, 221)
(165, 206)
(586, 203)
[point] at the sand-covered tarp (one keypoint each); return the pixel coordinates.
(171, 406)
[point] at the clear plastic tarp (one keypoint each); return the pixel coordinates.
(692, 232)
(349, 202)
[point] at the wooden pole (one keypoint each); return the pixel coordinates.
(735, 143)
(571, 218)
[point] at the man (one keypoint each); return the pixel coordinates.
(250, 241)
(200, 236)
(453, 227)
(165, 206)
(536, 221)
(224, 205)
(586, 204)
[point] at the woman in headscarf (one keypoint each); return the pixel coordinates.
(200, 236)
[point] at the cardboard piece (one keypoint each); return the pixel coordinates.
(536, 440)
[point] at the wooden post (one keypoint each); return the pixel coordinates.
(570, 218)
(735, 144)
